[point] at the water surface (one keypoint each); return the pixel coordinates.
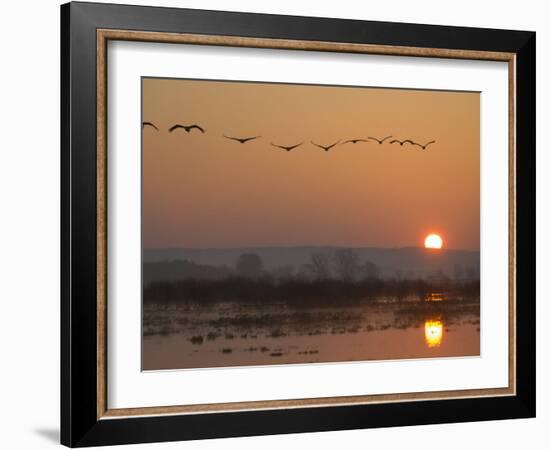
(236, 334)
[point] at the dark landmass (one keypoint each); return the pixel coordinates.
(309, 262)
(299, 292)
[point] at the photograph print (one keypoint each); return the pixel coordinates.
(296, 224)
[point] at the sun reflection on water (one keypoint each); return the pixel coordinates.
(433, 332)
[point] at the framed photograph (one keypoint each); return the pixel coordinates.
(276, 224)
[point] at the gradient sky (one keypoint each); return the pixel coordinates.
(202, 190)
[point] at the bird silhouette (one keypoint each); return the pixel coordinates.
(287, 147)
(326, 148)
(149, 124)
(423, 146)
(355, 141)
(242, 140)
(187, 128)
(406, 141)
(380, 141)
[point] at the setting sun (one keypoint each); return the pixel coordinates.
(433, 241)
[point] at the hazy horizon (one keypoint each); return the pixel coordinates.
(246, 247)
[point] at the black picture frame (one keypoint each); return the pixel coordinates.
(80, 425)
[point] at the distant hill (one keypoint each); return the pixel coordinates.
(178, 270)
(406, 262)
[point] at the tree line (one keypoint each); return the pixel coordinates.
(326, 279)
(344, 264)
(299, 291)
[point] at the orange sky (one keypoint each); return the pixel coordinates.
(202, 190)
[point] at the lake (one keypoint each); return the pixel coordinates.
(183, 336)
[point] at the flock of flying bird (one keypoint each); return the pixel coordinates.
(288, 148)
